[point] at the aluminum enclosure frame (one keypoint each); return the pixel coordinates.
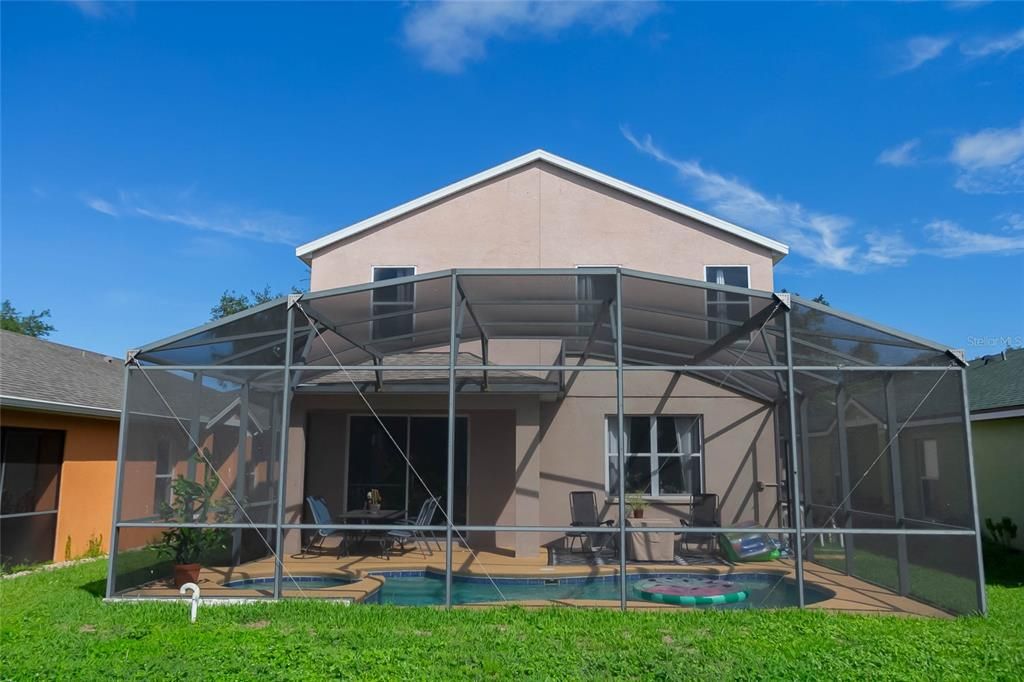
(460, 308)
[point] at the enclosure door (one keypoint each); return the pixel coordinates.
(30, 464)
(375, 462)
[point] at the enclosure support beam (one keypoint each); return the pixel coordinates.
(745, 329)
(588, 347)
(794, 469)
(805, 466)
(483, 332)
(240, 472)
(844, 474)
(896, 475)
(195, 428)
(118, 481)
(453, 356)
(286, 405)
(968, 442)
(620, 417)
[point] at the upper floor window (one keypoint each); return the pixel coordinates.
(725, 307)
(392, 306)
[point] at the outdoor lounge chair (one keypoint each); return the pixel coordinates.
(704, 512)
(321, 517)
(424, 518)
(583, 510)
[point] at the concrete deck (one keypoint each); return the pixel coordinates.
(851, 595)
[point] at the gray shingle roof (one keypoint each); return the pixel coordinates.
(995, 383)
(58, 376)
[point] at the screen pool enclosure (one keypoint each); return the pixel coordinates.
(870, 473)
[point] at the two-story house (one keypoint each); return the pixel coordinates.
(543, 348)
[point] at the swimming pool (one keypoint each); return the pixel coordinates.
(416, 588)
(305, 582)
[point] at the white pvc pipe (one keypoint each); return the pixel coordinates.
(195, 599)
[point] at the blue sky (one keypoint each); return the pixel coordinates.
(154, 155)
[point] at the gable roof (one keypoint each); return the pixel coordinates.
(306, 251)
(996, 382)
(42, 375)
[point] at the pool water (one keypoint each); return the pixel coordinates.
(765, 590)
(305, 582)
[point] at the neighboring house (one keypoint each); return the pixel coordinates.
(996, 384)
(59, 412)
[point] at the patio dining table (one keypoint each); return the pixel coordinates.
(366, 516)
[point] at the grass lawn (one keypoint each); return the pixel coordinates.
(53, 625)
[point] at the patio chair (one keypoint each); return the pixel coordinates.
(583, 510)
(704, 511)
(424, 518)
(321, 517)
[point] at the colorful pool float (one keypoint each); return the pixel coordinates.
(689, 591)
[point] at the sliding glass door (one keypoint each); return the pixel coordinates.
(375, 462)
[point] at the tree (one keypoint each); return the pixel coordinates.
(32, 324)
(232, 302)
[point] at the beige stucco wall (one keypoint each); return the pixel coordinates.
(527, 454)
(540, 217)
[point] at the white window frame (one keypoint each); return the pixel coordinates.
(609, 424)
(579, 318)
(163, 443)
(412, 304)
(923, 462)
(708, 292)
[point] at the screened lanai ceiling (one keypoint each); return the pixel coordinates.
(376, 331)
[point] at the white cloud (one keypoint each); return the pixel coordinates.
(824, 238)
(101, 205)
(888, 249)
(901, 154)
(998, 45)
(811, 234)
(991, 161)
(1014, 221)
(449, 34)
(952, 241)
(96, 9)
(919, 50)
(264, 226)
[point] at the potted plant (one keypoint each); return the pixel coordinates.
(636, 504)
(193, 502)
(373, 500)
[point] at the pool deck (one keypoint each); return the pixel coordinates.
(851, 594)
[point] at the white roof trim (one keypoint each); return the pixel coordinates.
(306, 251)
(17, 402)
(1008, 413)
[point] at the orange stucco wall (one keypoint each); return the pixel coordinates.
(87, 475)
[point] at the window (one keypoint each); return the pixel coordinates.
(392, 307)
(929, 459)
(723, 305)
(663, 455)
(30, 467)
(164, 474)
(375, 463)
(596, 288)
